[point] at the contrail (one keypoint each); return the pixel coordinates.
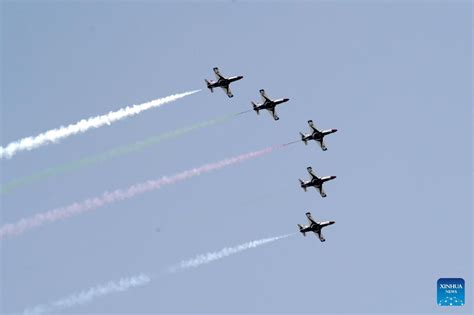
(110, 154)
(90, 294)
(125, 284)
(227, 251)
(54, 135)
(10, 229)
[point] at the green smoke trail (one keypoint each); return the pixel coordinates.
(110, 154)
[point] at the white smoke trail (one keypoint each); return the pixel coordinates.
(125, 284)
(10, 229)
(54, 135)
(90, 294)
(227, 251)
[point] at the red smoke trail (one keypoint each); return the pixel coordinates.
(25, 224)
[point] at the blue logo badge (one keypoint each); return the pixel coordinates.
(450, 292)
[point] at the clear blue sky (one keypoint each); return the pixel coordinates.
(393, 77)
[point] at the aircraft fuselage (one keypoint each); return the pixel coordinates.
(308, 229)
(318, 181)
(313, 182)
(272, 104)
(319, 135)
(314, 136)
(316, 228)
(224, 82)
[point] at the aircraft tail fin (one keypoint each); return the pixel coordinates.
(301, 229)
(303, 139)
(255, 108)
(209, 85)
(302, 184)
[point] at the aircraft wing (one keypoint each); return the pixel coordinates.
(264, 95)
(272, 111)
(321, 237)
(311, 173)
(310, 218)
(321, 191)
(323, 146)
(311, 124)
(218, 73)
(228, 91)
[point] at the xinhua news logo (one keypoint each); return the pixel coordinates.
(450, 292)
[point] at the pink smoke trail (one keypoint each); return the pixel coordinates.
(25, 224)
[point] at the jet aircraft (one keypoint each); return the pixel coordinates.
(222, 82)
(314, 227)
(316, 182)
(268, 104)
(316, 135)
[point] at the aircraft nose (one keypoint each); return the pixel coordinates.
(333, 177)
(335, 130)
(286, 99)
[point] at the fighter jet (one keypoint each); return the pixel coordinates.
(222, 82)
(314, 227)
(268, 104)
(316, 135)
(316, 182)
